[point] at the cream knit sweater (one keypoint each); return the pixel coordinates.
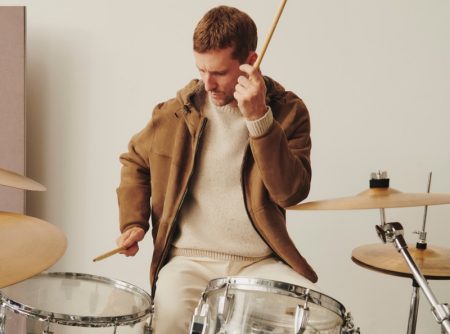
(213, 219)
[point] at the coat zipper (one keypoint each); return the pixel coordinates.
(172, 228)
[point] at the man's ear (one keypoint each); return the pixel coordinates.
(251, 59)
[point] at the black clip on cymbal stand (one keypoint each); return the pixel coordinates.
(393, 233)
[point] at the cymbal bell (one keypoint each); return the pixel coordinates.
(11, 179)
(28, 246)
(433, 262)
(376, 198)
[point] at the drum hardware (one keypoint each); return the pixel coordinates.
(413, 308)
(349, 327)
(225, 306)
(421, 244)
(302, 315)
(393, 233)
(2, 316)
(148, 329)
(47, 330)
(199, 323)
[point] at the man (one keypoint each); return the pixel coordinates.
(214, 168)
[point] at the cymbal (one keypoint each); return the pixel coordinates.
(27, 247)
(433, 262)
(15, 180)
(376, 198)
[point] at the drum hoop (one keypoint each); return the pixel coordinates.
(82, 321)
(276, 287)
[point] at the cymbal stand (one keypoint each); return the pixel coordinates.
(415, 296)
(414, 308)
(393, 233)
(422, 243)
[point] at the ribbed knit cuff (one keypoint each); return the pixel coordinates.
(191, 252)
(260, 126)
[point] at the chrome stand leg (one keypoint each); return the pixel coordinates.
(2, 319)
(148, 326)
(47, 330)
(415, 297)
(393, 232)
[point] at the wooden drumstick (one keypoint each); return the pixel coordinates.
(269, 35)
(110, 253)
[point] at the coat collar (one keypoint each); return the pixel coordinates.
(191, 99)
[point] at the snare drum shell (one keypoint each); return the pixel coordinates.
(249, 305)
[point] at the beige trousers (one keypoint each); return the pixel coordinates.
(182, 280)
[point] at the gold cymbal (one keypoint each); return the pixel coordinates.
(28, 246)
(15, 180)
(433, 262)
(376, 198)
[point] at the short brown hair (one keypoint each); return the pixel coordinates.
(223, 27)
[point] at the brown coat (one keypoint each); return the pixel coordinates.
(158, 166)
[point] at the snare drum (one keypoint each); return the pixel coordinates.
(235, 305)
(64, 302)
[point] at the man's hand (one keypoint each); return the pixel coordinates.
(130, 239)
(250, 93)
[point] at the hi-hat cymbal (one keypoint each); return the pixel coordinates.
(15, 180)
(433, 262)
(28, 246)
(376, 198)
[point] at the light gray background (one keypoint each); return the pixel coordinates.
(375, 76)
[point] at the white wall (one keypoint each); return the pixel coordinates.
(374, 75)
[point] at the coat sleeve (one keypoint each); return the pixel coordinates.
(134, 190)
(282, 154)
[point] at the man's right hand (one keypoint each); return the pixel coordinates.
(130, 239)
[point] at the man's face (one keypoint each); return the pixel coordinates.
(219, 72)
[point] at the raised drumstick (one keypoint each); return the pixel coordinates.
(269, 35)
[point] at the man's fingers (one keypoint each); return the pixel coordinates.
(243, 81)
(130, 237)
(131, 251)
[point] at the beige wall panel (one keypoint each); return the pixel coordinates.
(12, 102)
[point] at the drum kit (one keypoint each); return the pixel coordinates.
(33, 301)
(66, 302)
